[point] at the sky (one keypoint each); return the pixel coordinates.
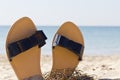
(56, 12)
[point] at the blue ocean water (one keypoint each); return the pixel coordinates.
(99, 40)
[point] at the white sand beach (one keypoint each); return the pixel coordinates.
(102, 67)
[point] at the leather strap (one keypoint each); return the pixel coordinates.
(15, 48)
(73, 46)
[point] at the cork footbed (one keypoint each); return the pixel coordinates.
(27, 63)
(63, 58)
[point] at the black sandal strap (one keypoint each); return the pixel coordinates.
(75, 47)
(15, 48)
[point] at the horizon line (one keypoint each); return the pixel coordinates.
(77, 25)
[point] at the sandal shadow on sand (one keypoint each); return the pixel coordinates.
(23, 47)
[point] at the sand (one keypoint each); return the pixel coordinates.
(101, 67)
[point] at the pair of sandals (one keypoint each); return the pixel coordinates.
(23, 47)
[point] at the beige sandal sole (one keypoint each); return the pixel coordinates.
(62, 57)
(27, 63)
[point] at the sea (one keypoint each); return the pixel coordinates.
(99, 40)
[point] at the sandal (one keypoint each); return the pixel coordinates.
(67, 49)
(23, 47)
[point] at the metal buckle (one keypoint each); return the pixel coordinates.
(56, 40)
